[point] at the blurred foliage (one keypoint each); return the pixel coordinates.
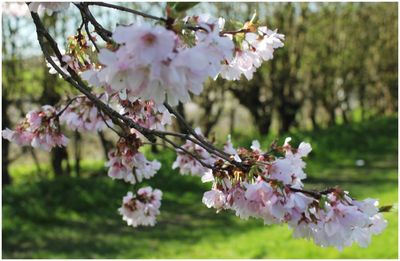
(338, 58)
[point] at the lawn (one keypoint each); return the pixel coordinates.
(77, 217)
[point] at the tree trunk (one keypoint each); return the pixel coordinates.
(332, 116)
(232, 121)
(181, 110)
(77, 153)
(5, 121)
(313, 114)
(106, 144)
(58, 155)
(263, 125)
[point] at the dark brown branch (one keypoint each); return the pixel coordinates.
(86, 24)
(91, 37)
(222, 33)
(77, 82)
(68, 104)
(203, 143)
(125, 9)
(105, 122)
(315, 194)
(189, 153)
(86, 14)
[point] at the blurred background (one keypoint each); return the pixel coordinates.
(334, 84)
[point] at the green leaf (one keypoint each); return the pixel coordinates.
(322, 201)
(181, 6)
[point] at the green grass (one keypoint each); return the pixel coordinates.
(77, 217)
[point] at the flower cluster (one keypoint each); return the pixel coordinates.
(187, 164)
(271, 190)
(155, 63)
(146, 113)
(39, 129)
(83, 115)
(211, 43)
(127, 163)
(151, 63)
(141, 209)
(256, 47)
(340, 221)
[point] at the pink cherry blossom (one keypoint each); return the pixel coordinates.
(189, 165)
(255, 49)
(39, 129)
(146, 113)
(141, 209)
(214, 199)
(83, 115)
(128, 164)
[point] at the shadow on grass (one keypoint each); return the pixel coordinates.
(78, 217)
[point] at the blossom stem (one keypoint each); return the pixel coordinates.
(243, 30)
(68, 104)
(189, 153)
(86, 24)
(220, 153)
(86, 14)
(108, 125)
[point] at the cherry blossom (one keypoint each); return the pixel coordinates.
(128, 164)
(214, 198)
(256, 48)
(39, 129)
(52, 70)
(270, 191)
(146, 43)
(187, 164)
(83, 115)
(141, 209)
(153, 64)
(342, 222)
(146, 113)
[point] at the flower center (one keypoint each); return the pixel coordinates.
(149, 38)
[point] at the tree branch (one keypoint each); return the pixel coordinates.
(125, 9)
(87, 15)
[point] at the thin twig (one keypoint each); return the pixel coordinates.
(68, 104)
(206, 145)
(125, 9)
(86, 24)
(189, 153)
(108, 125)
(85, 12)
(243, 30)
